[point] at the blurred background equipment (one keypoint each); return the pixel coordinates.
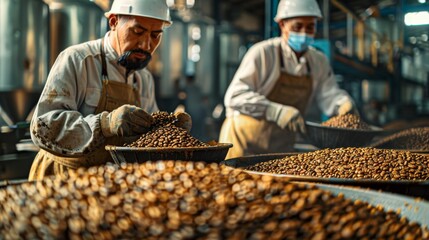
(33, 33)
(73, 22)
(24, 65)
(24, 56)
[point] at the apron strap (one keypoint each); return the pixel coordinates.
(282, 64)
(308, 67)
(103, 61)
(104, 65)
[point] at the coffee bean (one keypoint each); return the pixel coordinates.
(188, 200)
(409, 139)
(356, 163)
(349, 121)
(164, 133)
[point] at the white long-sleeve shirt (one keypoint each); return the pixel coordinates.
(64, 121)
(260, 70)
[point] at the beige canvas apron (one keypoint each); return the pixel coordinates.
(251, 136)
(113, 95)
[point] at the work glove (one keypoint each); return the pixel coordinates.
(184, 120)
(285, 117)
(346, 107)
(125, 121)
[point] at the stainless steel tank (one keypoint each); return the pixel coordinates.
(73, 22)
(24, 56)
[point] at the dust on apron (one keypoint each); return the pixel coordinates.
(113, 95)
(251, 136)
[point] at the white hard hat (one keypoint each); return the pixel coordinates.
(156, 9)
(297, 8)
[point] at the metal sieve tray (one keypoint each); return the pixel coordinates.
(332, 137)
(405, 187)
(211, 154)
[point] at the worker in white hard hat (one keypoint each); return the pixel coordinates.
(277, 83)
(99, 92)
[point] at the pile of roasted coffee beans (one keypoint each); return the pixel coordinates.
(164, 133)
(355, 163)
(410, 139)
(167, 136)
(162, 118)
(350, 121)
(188, 200)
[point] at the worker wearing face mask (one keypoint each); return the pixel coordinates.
(277, 82)
(99, 92)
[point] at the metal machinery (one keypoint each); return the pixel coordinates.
(24, 56)
(24, 59)
(73, 22)
(385, 74)
(186, 49)
(33, 33)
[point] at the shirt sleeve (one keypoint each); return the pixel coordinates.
(245, 93)
(57, 125)
(328, 94)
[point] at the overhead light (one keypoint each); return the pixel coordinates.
(170, 3)
(422, 1)
(190, 3)
(194, 52)
(416, 18)
(180, 4)
(196, 33)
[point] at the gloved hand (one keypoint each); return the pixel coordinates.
(184, 120)
(346, 107)
(285, 117)
(125, 121)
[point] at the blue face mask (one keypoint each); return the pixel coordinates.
(299, 42)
